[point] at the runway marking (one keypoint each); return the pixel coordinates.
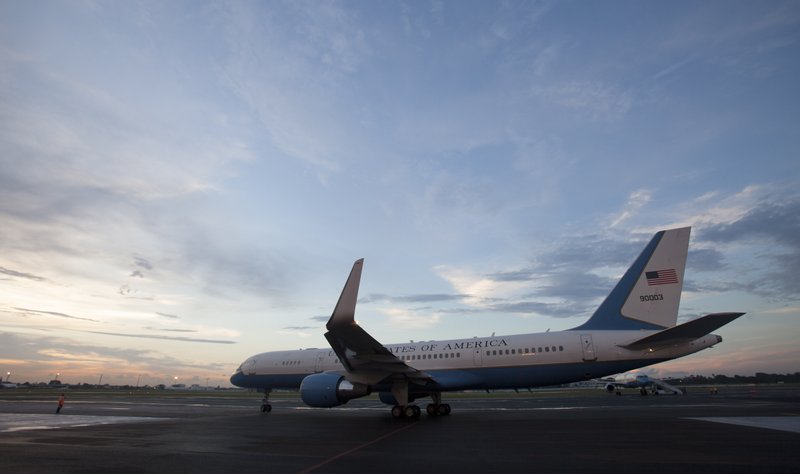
(22, 422)
(361, 446)
(781, 423)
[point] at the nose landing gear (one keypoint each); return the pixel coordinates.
(265, 406)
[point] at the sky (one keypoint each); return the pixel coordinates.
(184, 184)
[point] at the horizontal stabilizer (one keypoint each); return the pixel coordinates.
(685, 332)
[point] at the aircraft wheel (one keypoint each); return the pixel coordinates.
(266, 408)
(431, 409)
(412, 411)
(443, 409)
(397, 411)
(446, 408)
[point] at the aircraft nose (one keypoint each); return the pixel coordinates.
(719, 339)
(237, 378)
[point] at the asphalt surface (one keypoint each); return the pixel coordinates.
(743, 429)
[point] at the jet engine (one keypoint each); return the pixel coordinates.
(611, 387)
(330, 390)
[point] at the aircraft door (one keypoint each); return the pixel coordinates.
(477, 357)
(588, 347)
(318, 364)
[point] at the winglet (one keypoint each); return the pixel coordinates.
(345, 310)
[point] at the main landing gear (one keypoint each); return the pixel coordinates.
(402, 409)
(413, 411)
(409, 411)
(438, 409)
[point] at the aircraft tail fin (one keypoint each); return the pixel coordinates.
(648, 295)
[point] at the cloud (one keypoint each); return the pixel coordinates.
(774, 218)
(636, 201)
(407, 319)
(14, 273)
(166, 315)
(300, 328)
(269, 60)
(27, 312)
(573, 275)
(771, 225)
(705, 260)
(142, 262)
(420, 298)
(36, 358)
(597, 99)
(169, 329)
(168, 338)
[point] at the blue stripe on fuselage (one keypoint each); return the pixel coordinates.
(475, 378)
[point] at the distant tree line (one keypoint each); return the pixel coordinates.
(759, 377)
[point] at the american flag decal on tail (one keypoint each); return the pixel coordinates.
(661, 277)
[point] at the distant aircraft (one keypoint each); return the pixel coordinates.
(634, 327)
(643, 382)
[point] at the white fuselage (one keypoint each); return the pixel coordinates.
(596, 353)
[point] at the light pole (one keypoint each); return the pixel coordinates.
(8, 376)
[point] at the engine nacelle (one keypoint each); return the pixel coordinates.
(611, 387)
(330, 390)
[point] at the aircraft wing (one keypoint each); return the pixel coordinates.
(682, 333)
(365, 359)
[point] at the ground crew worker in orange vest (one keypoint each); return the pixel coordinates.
(60, 403)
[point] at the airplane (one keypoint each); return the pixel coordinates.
(643, 382)
(635, 326)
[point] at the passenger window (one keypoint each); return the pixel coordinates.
(526, 350)
(512, 352)
(547, 349)
(561, 348)
(506, 351)
(554, 348)
(540, 349)
(458, 354)
(494, 353)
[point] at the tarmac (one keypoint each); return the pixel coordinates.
(741, 429)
